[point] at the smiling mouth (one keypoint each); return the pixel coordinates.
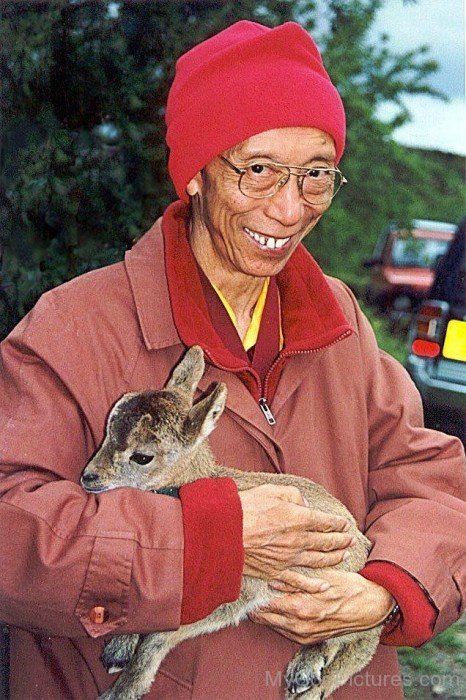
(267, 242)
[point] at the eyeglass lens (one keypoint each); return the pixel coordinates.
(263, 180)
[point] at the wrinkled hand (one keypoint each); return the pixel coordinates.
(307, 615)
(280, 531)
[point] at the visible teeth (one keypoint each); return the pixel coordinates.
(267, 241)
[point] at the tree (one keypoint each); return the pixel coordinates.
(386, 180)
(83, 157)
(83, 169)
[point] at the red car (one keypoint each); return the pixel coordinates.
(403, 264)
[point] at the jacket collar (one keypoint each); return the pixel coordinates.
(311, 315)
(144, 265)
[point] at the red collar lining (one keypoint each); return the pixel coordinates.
(311, 315)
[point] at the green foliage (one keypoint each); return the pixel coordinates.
(392, 343)
(82, 158)
(442, 658)
(386, 181)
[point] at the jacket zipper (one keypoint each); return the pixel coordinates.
(270, 418)
(265, 408)
(263, 403)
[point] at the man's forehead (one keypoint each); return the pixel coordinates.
(293, 144)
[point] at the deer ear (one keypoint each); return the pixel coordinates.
(188, 372)
(203, 417)
(145, 422)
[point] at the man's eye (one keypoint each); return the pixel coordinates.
(321, 174)
(141, 458)
(259, 169)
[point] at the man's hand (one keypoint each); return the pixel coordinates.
(281, 531)
(307, 616)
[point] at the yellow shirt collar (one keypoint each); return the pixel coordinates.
(250, 339)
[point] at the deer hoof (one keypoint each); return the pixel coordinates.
(301, 681)
(118, 652)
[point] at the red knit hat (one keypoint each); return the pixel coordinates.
(245, 80)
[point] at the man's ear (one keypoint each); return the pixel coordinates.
(203, 417)
(194, 186)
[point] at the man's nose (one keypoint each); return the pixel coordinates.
(287, 206)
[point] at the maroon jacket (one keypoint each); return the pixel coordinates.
(347, 417)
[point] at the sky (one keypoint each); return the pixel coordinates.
(441, 25)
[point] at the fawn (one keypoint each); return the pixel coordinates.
(157, 439)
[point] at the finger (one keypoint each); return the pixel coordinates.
(314, 541)
(295, 606)
(294, 517)
(283, 587)
(292, 580)
(299, 638)
(320, 560)
(325, 522)
(275, 619)
(329, 541)
(306, 638)
(291, 494)
(267, 618)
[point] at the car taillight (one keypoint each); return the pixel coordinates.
(428, 329)
(425, 348)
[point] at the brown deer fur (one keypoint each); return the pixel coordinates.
(165, 429)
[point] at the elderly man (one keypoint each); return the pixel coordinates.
(256, 131)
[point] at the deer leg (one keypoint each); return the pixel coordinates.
(119, 651)
(305, 670)
(346, 657)
(137, 677)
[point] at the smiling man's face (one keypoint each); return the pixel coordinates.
(256, 237)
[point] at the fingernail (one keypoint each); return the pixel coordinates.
(347, 527)
(345, 555)
(276, 584)
(353, 541)
(324, 586)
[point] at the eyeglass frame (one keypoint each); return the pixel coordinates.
(280, 184)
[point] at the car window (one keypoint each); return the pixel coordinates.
(417, 252)
(449, 284)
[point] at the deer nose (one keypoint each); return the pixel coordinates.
(89, 479)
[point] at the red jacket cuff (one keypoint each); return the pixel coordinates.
(213, 546)
(418, 614)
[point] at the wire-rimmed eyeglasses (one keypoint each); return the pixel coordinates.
(262, 179)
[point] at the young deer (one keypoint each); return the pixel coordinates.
(156, 440)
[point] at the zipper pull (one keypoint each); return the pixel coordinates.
(265, 408)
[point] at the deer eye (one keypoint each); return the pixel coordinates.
(141, 458)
